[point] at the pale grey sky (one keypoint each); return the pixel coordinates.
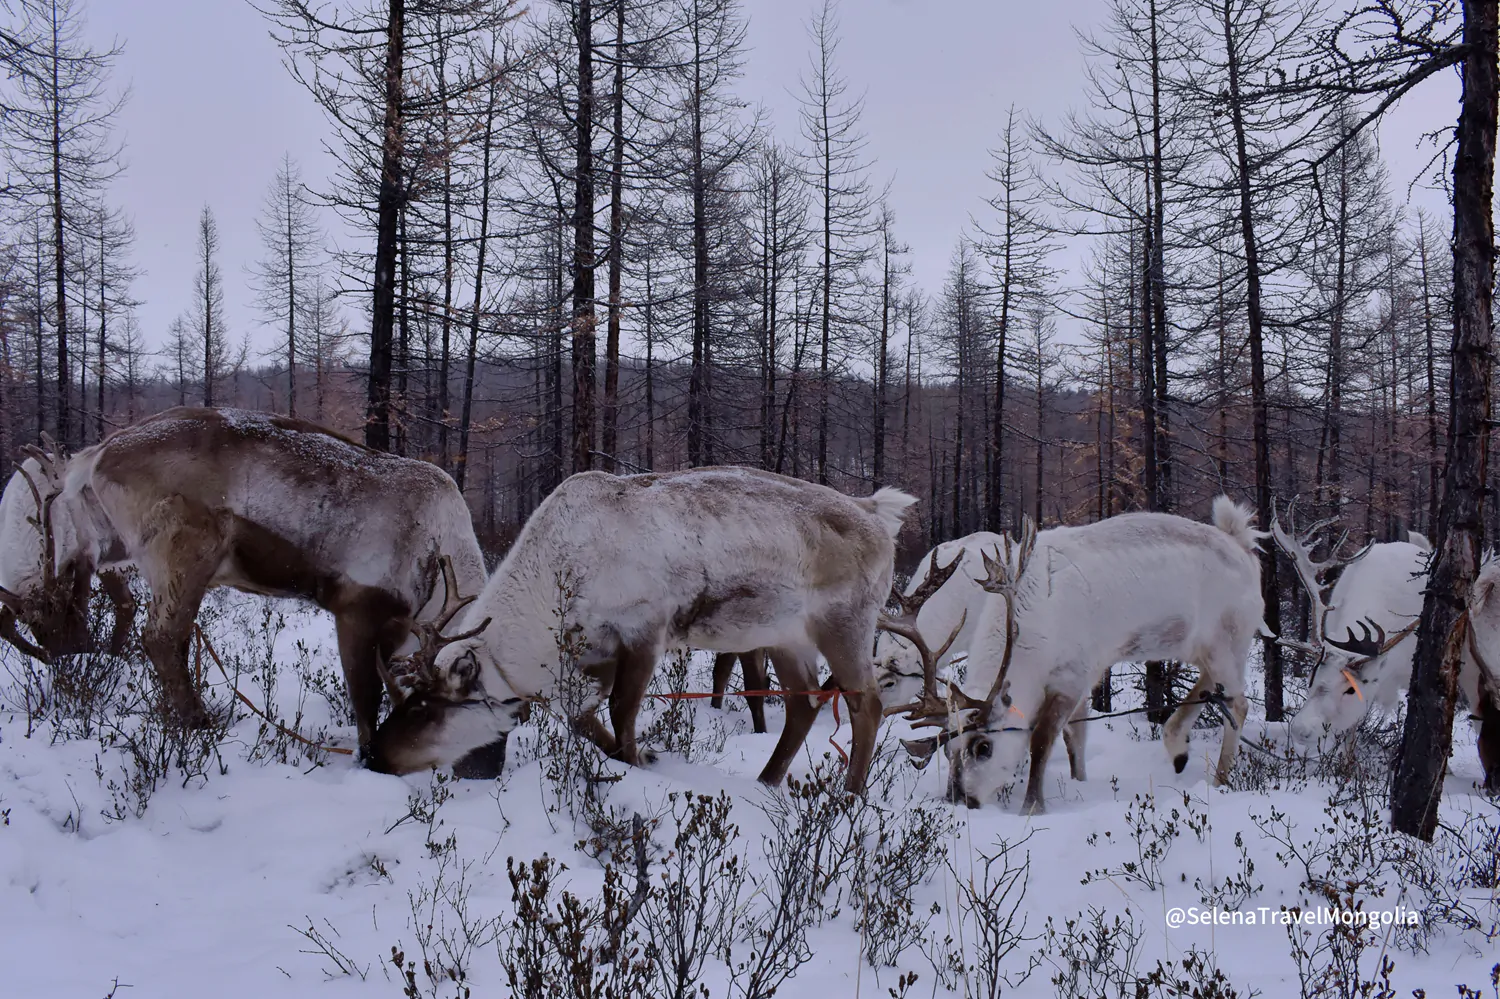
(212, 111)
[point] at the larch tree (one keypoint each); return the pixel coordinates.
(1014, 239)
(60, 144)
(835, 168)
(208, 303)
(292, 241)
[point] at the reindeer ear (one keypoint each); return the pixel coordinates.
(463, 674)
(1420, 540)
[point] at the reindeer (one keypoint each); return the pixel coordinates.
(900, 671)
(1076, 600)
(724, 559)
(199, 498)
(1375, 604)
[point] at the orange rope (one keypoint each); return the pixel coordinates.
(823, 697)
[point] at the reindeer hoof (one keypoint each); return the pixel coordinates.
(1179, 762)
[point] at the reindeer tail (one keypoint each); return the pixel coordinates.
(1237, 521)
(889, 505)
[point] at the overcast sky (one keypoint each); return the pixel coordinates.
(212, 110)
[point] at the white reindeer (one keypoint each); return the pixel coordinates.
(724, 559)
(199, 498)
(947, 620)
(1135, 587)
(1374, 605)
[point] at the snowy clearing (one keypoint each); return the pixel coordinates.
(293, 873)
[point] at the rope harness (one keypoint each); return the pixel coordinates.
(823, 695)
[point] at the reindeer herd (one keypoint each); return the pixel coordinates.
(754, 566)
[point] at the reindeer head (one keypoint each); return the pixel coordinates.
(46, 594)
(965, 721)
(986, 738)
(443, 714)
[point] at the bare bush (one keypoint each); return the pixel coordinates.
(569, 948)
(990, 923)
(336, 964)
(690, 913)
(1152, 836)
(909, 846)
(1094, 956)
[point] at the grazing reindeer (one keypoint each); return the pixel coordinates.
(947, 620)
(1375, 604)
(198, 498)
(1076, 600)
(934, 603)
(724, 559)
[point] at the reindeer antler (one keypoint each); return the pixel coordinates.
(1003, 575)
(904, 624)
(418, 670)
(1312, 572)
(1370, 644)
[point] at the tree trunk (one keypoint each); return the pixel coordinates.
(1426, 740)
(583, 244)
(1258, 401)
(59, 258)
(698, 373)
(461, 464)
(616, 248)
(383, 306)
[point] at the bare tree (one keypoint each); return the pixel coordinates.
(1016, 247)
(60, 143)
(291, 238)
(836, 171)
(208, 303)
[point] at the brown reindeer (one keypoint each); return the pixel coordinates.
(199, 498)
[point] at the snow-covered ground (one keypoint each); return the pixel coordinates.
(220, 885)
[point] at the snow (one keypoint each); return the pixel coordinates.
(207, 890)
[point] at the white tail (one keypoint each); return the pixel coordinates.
(1238, 522)
(890, 506)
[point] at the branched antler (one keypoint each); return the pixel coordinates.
(903, 623)
(1003, 575)
(1370, 644)
(418, 671)
(1311, 572)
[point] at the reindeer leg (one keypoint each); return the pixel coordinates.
(1489, 739)
(367, 640)
(632, 678)
(183, 545)
(1054, 711)
(1175, 735)
(1076, 738)
(1239, 707)
(850, 664)
(591, 728)
(117, 588)
(794, 671)
(723, 669)
(753, 667)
